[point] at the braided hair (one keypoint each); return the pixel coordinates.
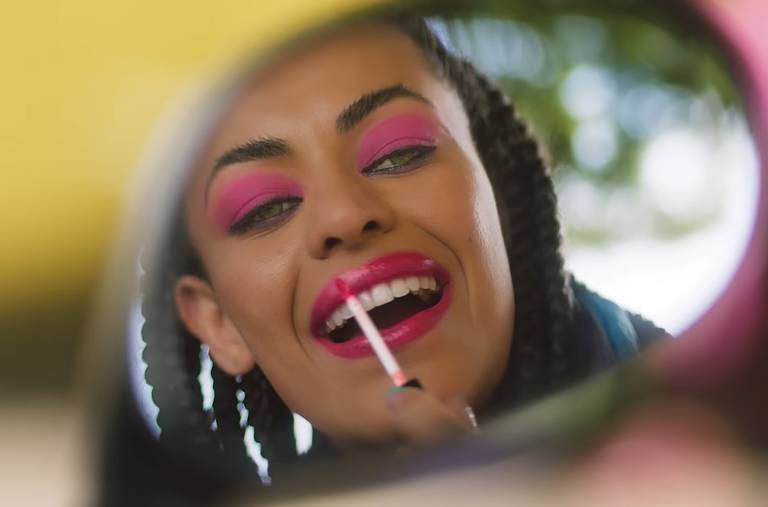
(545, 352)
(173, 357)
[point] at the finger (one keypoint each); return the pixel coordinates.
(421, 419)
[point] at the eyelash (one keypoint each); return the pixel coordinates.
(252, 223)
(416, 154)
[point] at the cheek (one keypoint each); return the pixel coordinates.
(255, 291)
(464, 215)
(493, 265)
(487, 227)
(459, 206)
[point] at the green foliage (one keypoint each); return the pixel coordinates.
(597, 89)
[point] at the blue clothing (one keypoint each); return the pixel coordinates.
(623, 332)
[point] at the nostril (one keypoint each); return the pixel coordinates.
(330, 243)
(371, 225)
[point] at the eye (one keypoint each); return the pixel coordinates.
(399, 161)
(264, 216)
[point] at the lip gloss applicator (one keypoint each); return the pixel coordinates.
(380, 347)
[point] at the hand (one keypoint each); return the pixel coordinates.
(422, 420)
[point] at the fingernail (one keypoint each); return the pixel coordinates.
(394, 396)
(411, 384)
(397, 389)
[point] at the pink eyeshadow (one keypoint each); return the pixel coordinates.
(252, 190)
(395, 133)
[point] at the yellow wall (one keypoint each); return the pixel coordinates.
(82, 83)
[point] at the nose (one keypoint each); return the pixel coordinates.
(346, 215)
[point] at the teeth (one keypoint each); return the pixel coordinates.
(366, 300)
(382, 294)
(337, 318)
(399, 287)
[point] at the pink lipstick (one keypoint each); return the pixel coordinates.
(407, 292)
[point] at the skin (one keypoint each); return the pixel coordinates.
(255, 306)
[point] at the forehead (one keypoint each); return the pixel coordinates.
(311, 84)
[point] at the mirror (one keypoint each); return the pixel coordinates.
(368, 151)
(639, 125)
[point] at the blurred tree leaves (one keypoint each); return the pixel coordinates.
(597, 90)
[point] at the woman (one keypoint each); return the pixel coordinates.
(374, 156)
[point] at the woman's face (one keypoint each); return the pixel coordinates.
(349, 158)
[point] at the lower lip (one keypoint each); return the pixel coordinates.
(396, 336)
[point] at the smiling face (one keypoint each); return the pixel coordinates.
(349, 158)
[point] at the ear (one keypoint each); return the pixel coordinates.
(201, 313)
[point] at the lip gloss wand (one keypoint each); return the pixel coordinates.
(381, 349)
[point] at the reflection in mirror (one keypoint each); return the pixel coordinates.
(654, 164)
(372, 153)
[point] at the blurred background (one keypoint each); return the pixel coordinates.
(645, 129)
(646, 132)
(85, 85)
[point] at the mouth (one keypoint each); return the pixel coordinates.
(405, 294)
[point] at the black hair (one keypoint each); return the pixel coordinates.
(546, 352)
(541, 358)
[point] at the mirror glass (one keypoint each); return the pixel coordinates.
(370, 152)
(653, 160)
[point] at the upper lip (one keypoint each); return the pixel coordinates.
(381, 269)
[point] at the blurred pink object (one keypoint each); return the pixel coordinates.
(729, 342)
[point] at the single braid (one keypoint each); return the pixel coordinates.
(225, 408)
(271, 419)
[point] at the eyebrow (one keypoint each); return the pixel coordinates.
(351, 116)
(365, 105)
(253, 149)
